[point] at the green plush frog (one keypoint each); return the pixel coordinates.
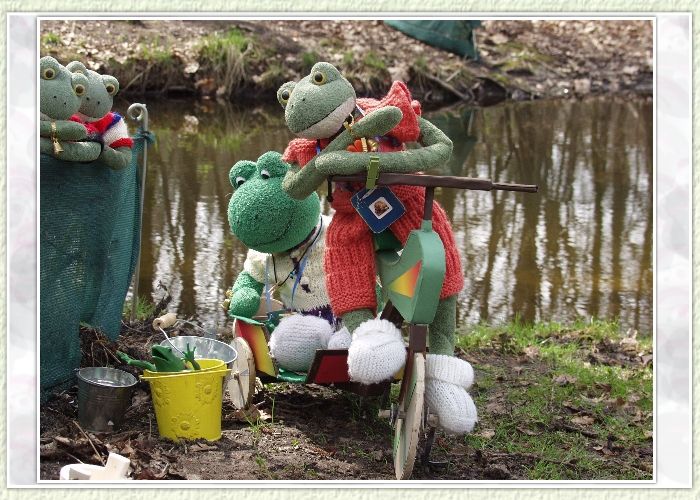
(60, 96)
(163, 360)
(96, 113)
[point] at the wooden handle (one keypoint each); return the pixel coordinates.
(165, 320)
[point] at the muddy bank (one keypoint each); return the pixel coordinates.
(238, 60)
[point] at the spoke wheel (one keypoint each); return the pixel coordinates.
(409, 420)
(240, 384)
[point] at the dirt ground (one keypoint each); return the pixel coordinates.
(316, 433)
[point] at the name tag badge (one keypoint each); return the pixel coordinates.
(379, 207)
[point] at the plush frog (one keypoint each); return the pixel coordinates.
(323, 110)
(163, 360)
(96, 114)
(286, 238)
(60, 96)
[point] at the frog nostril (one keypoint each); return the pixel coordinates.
(55, 97)
(98, 103)
(87, 98)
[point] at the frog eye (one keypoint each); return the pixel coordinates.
(79, 90)
(239, 181)
(284, 96)
(319, 78)
(264, 174)
(49, 74)
(111, 89)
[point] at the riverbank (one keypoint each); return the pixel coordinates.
(555, 401)
(238, 60)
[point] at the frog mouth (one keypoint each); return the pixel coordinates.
(329, 124)
(277, 237)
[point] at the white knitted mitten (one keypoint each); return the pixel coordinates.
(446, 382)
(340, 339)
(295, 340)
(376, 353)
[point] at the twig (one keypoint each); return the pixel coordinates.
(89, 441)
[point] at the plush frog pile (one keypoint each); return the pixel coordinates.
(76, 121)
(323, 110)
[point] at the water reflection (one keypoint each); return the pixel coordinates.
(581, 247)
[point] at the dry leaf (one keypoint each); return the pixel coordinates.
(528, 432)
(532, 352)
(582, 420)
(565, 379)
(486, 434)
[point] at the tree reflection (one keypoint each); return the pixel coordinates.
(580, 247)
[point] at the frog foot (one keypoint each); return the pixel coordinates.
(447, 380)
(295, 340)
(376, 353)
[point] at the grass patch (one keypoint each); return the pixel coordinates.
(374, 61)
(565, 402)
(308, 59)
(51, 39)
(226, 55)
(145, 308)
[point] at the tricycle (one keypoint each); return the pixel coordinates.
(411, 278)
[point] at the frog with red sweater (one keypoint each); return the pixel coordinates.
(96, 114)
(324, 111)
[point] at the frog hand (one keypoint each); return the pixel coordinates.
(244, 302)
(145, 365)
(189, 356)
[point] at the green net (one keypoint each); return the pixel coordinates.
(454, 36)
(88, 245)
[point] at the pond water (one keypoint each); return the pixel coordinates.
(581, 247)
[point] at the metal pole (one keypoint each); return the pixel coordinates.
(139, 113)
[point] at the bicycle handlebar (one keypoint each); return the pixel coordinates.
(390, 179)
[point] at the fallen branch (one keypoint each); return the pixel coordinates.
(448, 87)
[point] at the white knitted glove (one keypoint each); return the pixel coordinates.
(295, 340)
(446, 382)
(340, 339)
(376, 353)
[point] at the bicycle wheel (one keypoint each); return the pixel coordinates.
(408, 424)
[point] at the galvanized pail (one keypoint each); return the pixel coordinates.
(104, 394)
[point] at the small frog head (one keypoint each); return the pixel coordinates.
(316, 106)
(261, 214)
(99, 98)
(165, 359)
(60, 91)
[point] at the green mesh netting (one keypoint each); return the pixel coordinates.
(453, 36)
(88, 244)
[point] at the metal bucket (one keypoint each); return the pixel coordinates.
(104, 394)
(204, 348)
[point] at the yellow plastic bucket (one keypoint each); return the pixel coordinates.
(188, 404)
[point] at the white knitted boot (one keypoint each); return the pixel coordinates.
(340, 339)
(295, 340)
(376, 353)
(447, 380)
